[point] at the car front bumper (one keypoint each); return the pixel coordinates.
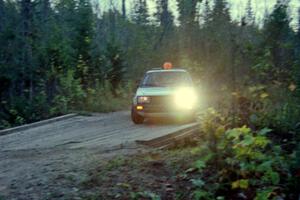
(175, 114)
(164, 112)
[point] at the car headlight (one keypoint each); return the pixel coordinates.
(143, 99)
(185, 98)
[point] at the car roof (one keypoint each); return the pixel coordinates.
(166, 70)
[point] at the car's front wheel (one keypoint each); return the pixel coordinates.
(136, 118)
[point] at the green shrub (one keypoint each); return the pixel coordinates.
(281, 111)
(241, 161)
(71, 95)
(258, 106)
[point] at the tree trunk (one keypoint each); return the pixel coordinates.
(124, 9)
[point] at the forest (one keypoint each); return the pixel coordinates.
(64, 56)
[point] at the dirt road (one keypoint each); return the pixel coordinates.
(49, 161)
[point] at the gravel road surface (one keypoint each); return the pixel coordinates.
(49, 161)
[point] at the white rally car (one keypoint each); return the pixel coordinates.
(164, 92)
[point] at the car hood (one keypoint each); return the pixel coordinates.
(155, 91)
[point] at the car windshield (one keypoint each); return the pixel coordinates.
(166, 79)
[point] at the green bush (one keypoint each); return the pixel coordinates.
(70, 95)
(243, 161)
(258, 106)
(281, 111)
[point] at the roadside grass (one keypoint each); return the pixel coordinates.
(82, 113)
(115, 163)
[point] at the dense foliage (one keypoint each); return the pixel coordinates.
(242, 163)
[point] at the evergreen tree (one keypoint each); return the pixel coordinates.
(164, 16)
(296, 70)
(279, 36)
(140, 14)
(218, 41)
(206, 12)
(66, 54)
(297, 35)
(187, 12)
(220, 15)
(84, 24)
(249, 19)
(115, 66)
(124, 9)
(188, 25)
(165, 20)
(2, 14)
(45, 24)
(96, 53)
(27, 34)
(9, 46)
(220, 21)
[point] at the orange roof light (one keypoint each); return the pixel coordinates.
(167, 65)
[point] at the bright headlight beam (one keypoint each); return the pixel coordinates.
(185, 98)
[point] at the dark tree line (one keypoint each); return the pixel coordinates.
(57, 56)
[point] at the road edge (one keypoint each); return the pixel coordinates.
(36, 124)
(166, 140)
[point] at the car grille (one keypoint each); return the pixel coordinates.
(159, 104)
(160, 100)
